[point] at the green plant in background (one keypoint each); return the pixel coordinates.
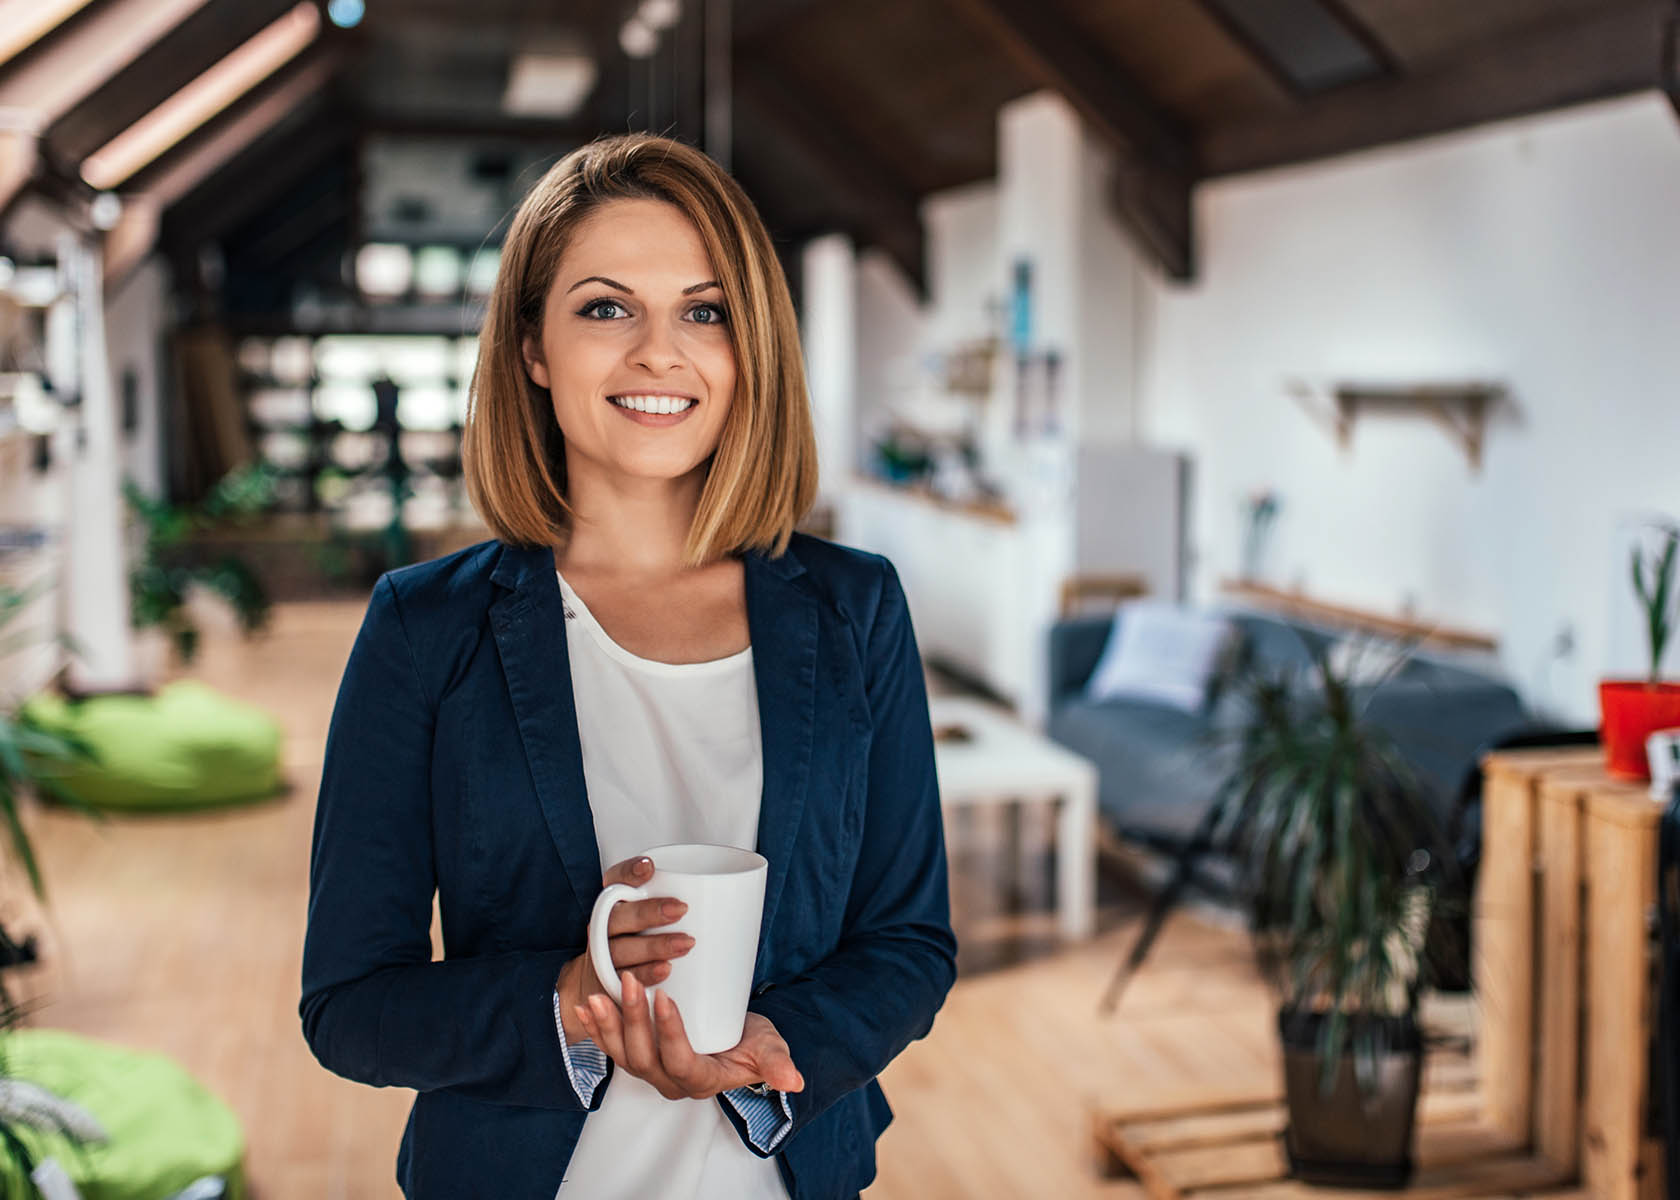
(1341, 860)
(165, 568)
(31, 759)
(1653, 583)
(30, 755)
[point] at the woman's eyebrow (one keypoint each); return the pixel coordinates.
(613, 283)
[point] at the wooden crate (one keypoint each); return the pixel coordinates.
(1562, 970)
(1235, 1149)
(1563, 989)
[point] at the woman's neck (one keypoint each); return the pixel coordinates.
(629, 527)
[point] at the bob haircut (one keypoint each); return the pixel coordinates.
(763, 475)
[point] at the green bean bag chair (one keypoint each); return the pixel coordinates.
(186, 746)
(164, 1129)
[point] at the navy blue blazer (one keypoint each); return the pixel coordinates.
(453, 763)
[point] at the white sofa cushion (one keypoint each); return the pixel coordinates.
(1161, 653)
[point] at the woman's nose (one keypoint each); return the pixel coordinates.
(656, 349)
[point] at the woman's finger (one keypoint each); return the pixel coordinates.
(770, 1054)
(639, 1051)
(635, 949)
(676, 1054)
(604, 1028)
(633, 871)
(635, 916)
(776, 1065)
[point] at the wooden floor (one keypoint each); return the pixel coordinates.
(183, 934)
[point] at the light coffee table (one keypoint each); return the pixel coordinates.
(1005, 762)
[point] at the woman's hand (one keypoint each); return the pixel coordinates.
(634, 951)
(656, 1048)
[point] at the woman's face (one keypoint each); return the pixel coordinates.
(635, 348)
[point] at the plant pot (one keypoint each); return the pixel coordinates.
(1633, 710)
(1350, 1135)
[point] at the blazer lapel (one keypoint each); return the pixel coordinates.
(530, 629)
(782, 622)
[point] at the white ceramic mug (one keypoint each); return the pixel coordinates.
(724, 889)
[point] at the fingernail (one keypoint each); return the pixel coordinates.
(685, 941)
(597, 1006)
(642, 865)
(673, 908)
(663, 1003)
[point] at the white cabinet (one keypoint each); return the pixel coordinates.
(983, 589)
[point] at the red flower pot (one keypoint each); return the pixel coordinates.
(1633, 711)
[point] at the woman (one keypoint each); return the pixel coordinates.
(647, 654)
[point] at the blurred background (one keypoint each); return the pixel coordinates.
(1163, 345)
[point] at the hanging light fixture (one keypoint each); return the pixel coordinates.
(660, 15)
(638, 39)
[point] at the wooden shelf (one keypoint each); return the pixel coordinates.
(1407, 628)
(1461, 408)
(986, 510)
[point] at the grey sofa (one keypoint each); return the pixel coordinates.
(1159, 767)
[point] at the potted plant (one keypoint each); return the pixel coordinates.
(1634, 709)
(1341, 863)
(30, 759)
(165, 569)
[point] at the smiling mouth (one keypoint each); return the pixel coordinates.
(655, 404)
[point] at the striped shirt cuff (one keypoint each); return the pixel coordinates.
(768, 1117)
(586, 1063)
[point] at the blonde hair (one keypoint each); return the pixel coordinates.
(763, 476)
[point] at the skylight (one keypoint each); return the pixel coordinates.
(1313, 45)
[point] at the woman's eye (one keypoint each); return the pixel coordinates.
(708, 314)
(603, 310)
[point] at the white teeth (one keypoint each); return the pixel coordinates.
(654, 404)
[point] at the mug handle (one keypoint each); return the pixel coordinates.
(600, 954)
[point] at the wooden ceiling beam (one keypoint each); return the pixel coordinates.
(1156, 167)
(206, 149)
(151, 191)
(18, 156)
(884, 206)
(1615, 51)
(263, 169)
(59, 71)
(175, 60)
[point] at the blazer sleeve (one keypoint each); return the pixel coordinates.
(857, 1009)
(375, 1007)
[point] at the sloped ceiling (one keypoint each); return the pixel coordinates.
(844, 114)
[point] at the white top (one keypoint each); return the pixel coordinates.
(672, 752)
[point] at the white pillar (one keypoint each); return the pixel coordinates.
(96, 577)
(829, 269)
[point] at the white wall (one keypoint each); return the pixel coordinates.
(136, 313)
(829, 335)
(890, 328)
(1543, 252)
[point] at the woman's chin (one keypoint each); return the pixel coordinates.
(647, 469)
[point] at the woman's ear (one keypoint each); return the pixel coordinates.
(534, 365)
